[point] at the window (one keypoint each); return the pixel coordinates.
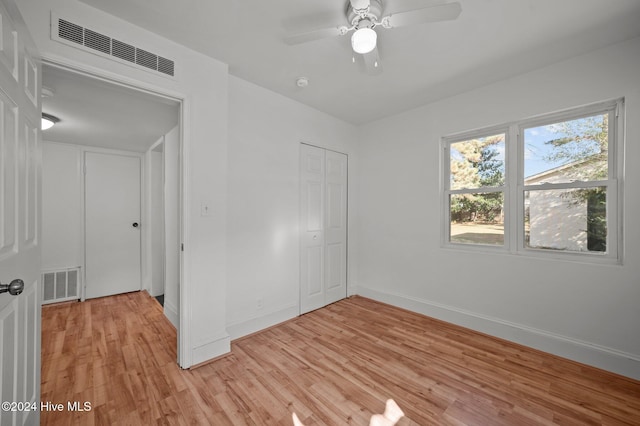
(477, 184)
(542, 186)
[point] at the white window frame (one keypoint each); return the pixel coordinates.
(514, 188)
(448, 192)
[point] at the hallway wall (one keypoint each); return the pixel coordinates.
(62, 210)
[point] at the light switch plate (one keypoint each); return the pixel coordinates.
(205, 210)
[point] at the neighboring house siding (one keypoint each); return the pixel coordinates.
(556, 219)
(556, 222)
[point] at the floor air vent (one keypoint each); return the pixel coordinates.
(61, 285)
(76, 35)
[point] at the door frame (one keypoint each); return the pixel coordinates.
(149, 198)
(184, 333)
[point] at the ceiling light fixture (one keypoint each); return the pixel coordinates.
(364, 40)
(48, 121)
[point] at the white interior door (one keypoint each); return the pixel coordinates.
(19, 221)
(312, 228)
(112, 224)
(323, 227)
(335, 234)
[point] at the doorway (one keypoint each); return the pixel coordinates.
(104, 119)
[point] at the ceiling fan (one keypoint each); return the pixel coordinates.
(363, 17)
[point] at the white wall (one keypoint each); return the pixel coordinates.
(202, 82)
(62, 220)
(582, 311)
(171, 225)
(265, 131)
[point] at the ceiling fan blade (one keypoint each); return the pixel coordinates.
(300, 24)
(308, 36)
(369, 63)
(442, 12)
(391, 7)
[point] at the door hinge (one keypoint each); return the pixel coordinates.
(182, 247)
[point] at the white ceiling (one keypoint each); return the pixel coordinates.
(97, 113)
(490, 41)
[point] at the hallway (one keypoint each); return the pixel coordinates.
(117, 353)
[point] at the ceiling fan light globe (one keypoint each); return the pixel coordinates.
(364, 40)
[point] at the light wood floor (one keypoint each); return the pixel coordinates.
(333, 366)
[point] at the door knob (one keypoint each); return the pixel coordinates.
(135, 224)
(14, 288)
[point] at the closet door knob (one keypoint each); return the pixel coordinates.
(135, 224)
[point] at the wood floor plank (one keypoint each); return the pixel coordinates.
(333, 366)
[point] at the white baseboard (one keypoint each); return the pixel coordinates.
(244, 328)
(171, 312)
(210, 348)
(609, 359)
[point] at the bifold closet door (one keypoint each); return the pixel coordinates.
(323, 226)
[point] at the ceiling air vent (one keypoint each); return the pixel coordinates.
(165, 65)
(97, 41)
(146, 59)
(64, 31)
(69, 31)
(123, 51)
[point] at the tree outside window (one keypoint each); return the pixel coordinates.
(477, 173)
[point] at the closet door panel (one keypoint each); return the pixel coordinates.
(323, 227)
(335, 227)
(312, 207)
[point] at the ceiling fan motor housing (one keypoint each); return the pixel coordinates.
(355, 15)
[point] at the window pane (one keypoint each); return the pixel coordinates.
(566, 219)
(477, 218)
(567, 151)
(477, 163)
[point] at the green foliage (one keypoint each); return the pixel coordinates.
(475, 164)
(596, 219)
(490, 169)
(585, 139)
